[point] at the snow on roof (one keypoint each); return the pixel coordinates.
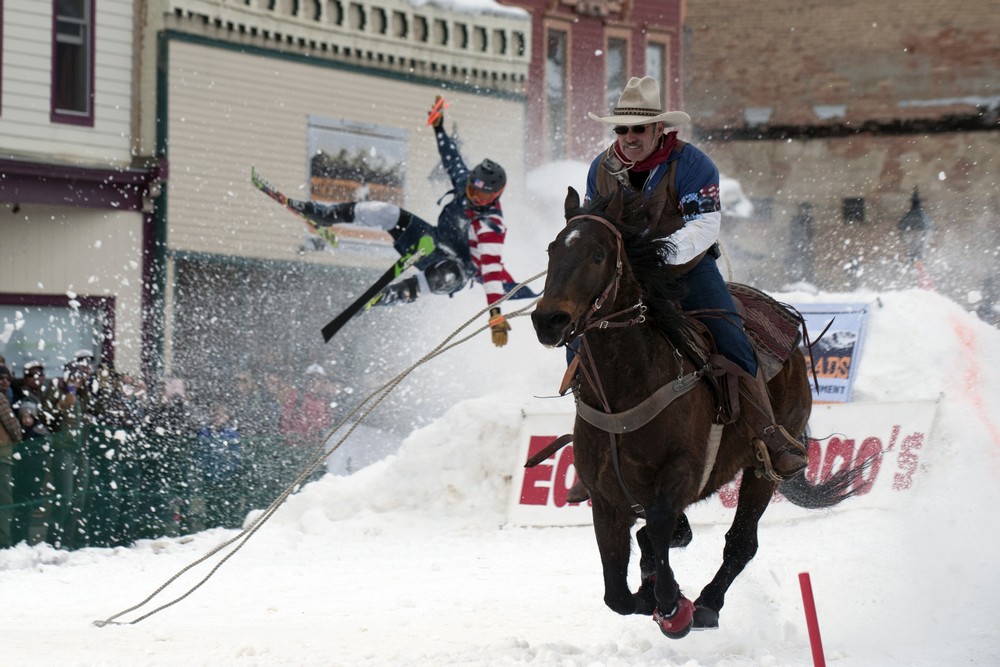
(474, 7)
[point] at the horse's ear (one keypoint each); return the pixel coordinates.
(572, 204)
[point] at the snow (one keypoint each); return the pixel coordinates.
(409, 561)
(477, 7)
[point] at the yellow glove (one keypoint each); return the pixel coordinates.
(435, 117)
(498, 327)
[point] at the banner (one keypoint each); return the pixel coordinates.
(895, 436)
(837, 352)
(538, 495)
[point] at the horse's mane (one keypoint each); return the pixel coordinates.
(662, 291)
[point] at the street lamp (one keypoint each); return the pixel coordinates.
(915, 227)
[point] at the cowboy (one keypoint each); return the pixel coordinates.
(467, 241)
(648, 158)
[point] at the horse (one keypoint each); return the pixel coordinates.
(648, 457)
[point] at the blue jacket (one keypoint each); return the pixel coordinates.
(218, 453)
(695, 172)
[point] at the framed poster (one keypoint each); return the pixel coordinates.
(351, 161)
(835, 353)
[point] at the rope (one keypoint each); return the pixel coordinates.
(319, 454)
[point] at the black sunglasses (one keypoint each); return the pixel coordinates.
(622, 130)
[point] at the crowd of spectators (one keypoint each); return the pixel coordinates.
(91, 457)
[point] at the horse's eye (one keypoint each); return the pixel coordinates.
(599, 256)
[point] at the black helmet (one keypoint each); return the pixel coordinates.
(488, 176)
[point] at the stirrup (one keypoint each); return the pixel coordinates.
(765, 469)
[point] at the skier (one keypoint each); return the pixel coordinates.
(467, 241)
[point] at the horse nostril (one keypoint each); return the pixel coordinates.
(552, 324)
(559, 320)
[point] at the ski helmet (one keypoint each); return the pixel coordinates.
(488, 176)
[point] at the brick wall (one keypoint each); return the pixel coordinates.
(871, 57)
(816, 102)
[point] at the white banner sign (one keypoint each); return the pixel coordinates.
(842, 436)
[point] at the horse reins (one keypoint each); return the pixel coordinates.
(614, 423)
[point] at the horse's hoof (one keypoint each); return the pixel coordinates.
(705, 618)
(677, 624)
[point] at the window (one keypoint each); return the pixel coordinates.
(73, 62)
(615, 70)
(656, 60)
(658, 66)
(854, 209)
(50, 328)
(555, 93)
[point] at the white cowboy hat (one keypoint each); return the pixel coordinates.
(639, 104)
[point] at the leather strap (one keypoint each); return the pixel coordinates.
(638, 416)
(549, 450)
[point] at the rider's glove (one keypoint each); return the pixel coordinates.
(498, 327)
(435, 117)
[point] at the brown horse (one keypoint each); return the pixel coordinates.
(644, 457)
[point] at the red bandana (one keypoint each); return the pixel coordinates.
(667, 144)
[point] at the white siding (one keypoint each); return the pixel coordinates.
(61, 250)
(230, 110)
(25, 128)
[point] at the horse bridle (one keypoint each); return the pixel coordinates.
(587, 322)
(634, 418)
(611, 290)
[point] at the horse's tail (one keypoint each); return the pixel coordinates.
(838, 488)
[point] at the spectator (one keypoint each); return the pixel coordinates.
(32, 468)
(6, 382)
(131, 454)
(255, 411)
(167, 435)
(10, 435)
(114, 487)
(307, 413)
(63, 406)
(85, 358)
(215, 498)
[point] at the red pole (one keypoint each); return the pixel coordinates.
(811, 620)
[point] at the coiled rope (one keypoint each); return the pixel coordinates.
(320, 454)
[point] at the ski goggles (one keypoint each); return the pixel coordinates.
(622, 130)
(481, 197)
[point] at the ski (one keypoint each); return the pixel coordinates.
(424, 247)
(323, 232)
(439, 106)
